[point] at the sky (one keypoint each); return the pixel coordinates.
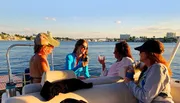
(90, 18)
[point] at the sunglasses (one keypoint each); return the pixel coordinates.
(84, 47)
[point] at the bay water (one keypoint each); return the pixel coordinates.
(20, 56)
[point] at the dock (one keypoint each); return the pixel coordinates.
(5, 79)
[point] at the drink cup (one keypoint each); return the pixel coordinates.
(137, 65)
(130, 75)
(101, 57)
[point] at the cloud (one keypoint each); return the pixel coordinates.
(54, 19)
(50, 18)
(118, 22)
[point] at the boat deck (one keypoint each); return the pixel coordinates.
(5, 78)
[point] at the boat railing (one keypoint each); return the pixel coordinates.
(9, 64)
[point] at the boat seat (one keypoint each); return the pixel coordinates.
(116, 92)
(106, 93)
(53, 76)
(103, 80)
(50, 76)
(175, 91)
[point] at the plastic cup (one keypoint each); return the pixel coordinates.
(137, 65)
(101, 57)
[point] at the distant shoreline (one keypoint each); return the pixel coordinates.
(17, 37)
(89, 41)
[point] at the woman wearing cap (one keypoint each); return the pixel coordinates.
(122, 53)
(78, 60)
(43, 45)
(154, 84)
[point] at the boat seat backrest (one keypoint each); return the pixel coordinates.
(48, 76)
(52, 76)
(175, 91)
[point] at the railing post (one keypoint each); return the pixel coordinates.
(11, 86)
(52, 63)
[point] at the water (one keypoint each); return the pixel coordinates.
(20, 56)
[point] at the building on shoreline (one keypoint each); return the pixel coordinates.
(170, 35)
(124, 36)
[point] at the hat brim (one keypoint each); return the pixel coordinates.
(45, 39)
(54, 42)
(139, 48)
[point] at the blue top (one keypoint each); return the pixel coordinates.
(78, 69)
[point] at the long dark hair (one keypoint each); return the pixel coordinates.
(124, 49)
(79, 43)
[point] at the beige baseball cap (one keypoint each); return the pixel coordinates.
(46, 39)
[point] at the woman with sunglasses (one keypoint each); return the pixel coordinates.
(154, 83)
(78, 59)
(43, 46)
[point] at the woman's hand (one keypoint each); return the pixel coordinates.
(129, 74)
(128, 69)
(84, 63)
(101, 60)
(126, 80)
(81, 77)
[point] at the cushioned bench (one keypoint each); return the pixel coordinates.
(106, 90)
(52, 76)
(107, 93)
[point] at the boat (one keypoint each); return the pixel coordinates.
(105, 90)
